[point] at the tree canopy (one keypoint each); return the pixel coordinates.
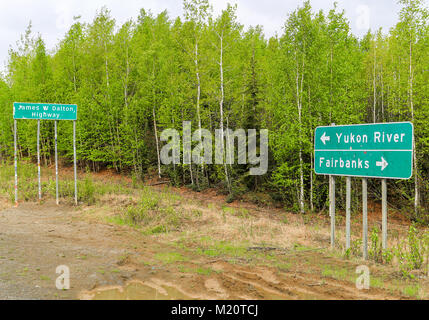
(135, 80)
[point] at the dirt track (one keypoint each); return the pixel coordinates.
(35, 239)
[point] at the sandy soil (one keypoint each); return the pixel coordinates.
(35, 239)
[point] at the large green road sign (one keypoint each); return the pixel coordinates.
(374, 150)
(44, 111)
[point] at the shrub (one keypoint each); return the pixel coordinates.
(375, 249)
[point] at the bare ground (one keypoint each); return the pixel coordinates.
(103, 257)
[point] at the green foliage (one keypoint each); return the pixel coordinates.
(156, 213)
(412, 291)
(87, 191)
(170, 257)
(411, 253)
(134, 80)
(387, 255)
(215, 248)
(356, 247)
(375, 251)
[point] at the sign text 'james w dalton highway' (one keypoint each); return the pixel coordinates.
(44, 111)
(373, 150)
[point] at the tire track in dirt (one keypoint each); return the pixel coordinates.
(295, 285)
(41, 237)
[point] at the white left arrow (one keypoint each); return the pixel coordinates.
(383, 163)
(324, 138)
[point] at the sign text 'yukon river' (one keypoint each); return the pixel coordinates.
(382, 150)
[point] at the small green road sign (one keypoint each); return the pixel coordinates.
(44, 111)
(382, 150)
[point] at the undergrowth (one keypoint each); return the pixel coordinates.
(410, 255)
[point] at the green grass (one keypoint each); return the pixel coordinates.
(211, 206)
(376, 282)
(284, 219)
(228, 210)
(411, 291)
(184, 269)
(209, 247)
(337, 273)
(89, 191)
(155, 213)
(170, 257)
(298, 247)
(223, 248)
(283, 266)
(159, 229)
(198, 270)
(204, 271)
(196, 213)
(237, 212)
(118, 220)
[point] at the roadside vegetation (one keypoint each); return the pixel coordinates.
(196, 228)
(134, 80)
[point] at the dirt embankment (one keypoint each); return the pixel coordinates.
(111, 261)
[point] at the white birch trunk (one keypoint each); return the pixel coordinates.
(299, 106)
(374, 84)
(416, 183)
(157, 142)
(154, 125)
(222, 97)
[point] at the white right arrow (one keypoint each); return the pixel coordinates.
(324, 138)
(383, 163)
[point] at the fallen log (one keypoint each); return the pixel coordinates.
(158, 183)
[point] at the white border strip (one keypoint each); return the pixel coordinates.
(366, 124)
(362, 150)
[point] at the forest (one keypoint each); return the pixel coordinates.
(133, 81)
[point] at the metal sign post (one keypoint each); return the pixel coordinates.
(348, 206)
(56, 162)
(381, 150)
(365, 217)
(74, 162)
(16, 162)
(38, 160)
(384, 212)
(332, 208)
(45, 111)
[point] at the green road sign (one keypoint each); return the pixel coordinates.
(382, 150)
(44, 111)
